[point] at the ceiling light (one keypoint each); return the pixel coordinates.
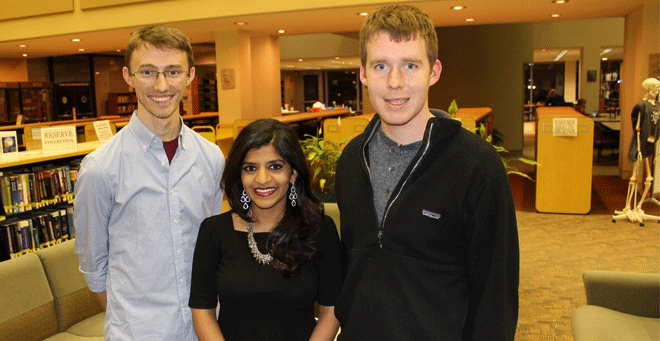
(81, 50)
(75, 40)
(337, 58)
(24, 54)
(605, 51)
(457, 8)
(281, 31)
(561, 54)
(300, 60)
(118, 50)
(364, 14)
(604, 58)
(22, 45)
(240, 23)
(554, 15)
(559, 1)
(469, 19)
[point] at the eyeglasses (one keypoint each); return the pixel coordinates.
(152, 75)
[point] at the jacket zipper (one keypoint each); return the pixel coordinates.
(387, 210)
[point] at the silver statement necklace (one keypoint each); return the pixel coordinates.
(260, 257)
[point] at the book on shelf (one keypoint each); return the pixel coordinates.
(38, 230)
(23, 191)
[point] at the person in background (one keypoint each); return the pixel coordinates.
(141, 197)
(555, 99)
(274, 255)
(427, 214)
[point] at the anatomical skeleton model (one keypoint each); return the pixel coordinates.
(645, 117)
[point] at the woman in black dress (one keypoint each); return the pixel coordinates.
(269, 259)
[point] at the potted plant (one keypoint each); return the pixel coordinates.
(322, 156)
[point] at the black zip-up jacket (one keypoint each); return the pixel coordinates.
(446, 266)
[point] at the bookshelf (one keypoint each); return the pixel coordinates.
(36, 191)
(10, 102)
(208, 94)
(36, 101)
(121, 103)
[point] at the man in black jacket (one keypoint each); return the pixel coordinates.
(427, 214)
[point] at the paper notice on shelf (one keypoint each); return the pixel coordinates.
(59, 139)
(103, 130)
(564, 126)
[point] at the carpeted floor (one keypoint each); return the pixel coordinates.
(555, 249)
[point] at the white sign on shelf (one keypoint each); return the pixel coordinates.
(59, 139)
(103, 130)
(566, 126)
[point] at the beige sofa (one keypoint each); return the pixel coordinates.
(620, 306)
(43, 296)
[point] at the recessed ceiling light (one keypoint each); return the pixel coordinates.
(469, 19)
(240, 23)
(24, 54)
(118, 50)
(364, 14)
(300, 60)
(559, 1)
(81, 50)
(97, 73)
(555, 15)
(281, 31)
(457, 8)
(22, 45)
(75, 39)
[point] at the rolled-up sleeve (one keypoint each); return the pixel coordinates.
(92, 208)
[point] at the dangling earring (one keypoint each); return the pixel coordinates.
(293, 196)
(245, 199)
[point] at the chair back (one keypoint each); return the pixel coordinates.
(238, 125)
(207, 132)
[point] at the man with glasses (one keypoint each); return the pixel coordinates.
(140, 198)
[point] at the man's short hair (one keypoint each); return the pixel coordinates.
(402, 23)
(160, 37)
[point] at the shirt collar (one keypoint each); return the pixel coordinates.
(147, 139)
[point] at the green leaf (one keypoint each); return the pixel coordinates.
(453, 108)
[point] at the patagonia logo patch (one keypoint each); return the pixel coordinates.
(431, 214)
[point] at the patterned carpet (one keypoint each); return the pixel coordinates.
(555, 249)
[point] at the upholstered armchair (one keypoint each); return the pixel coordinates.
(620, 306)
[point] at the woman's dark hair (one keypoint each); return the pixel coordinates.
(290, 243)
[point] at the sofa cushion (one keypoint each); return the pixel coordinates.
(594, 323)
(28, 309)
(73, 300)
(89, 327)
(71, 337)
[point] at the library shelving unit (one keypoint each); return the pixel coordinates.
(10, 102)
(36, 191)
(208, 94)
(563, 178)
(121, 103)
(36, 101)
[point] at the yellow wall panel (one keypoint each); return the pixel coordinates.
(14, 9)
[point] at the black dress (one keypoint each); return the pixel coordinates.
(256, 301)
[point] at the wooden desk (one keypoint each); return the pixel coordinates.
(307, 116)
(613, 125)
(563, 179)
(472, 116)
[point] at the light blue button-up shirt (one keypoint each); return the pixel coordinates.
(136, 218)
